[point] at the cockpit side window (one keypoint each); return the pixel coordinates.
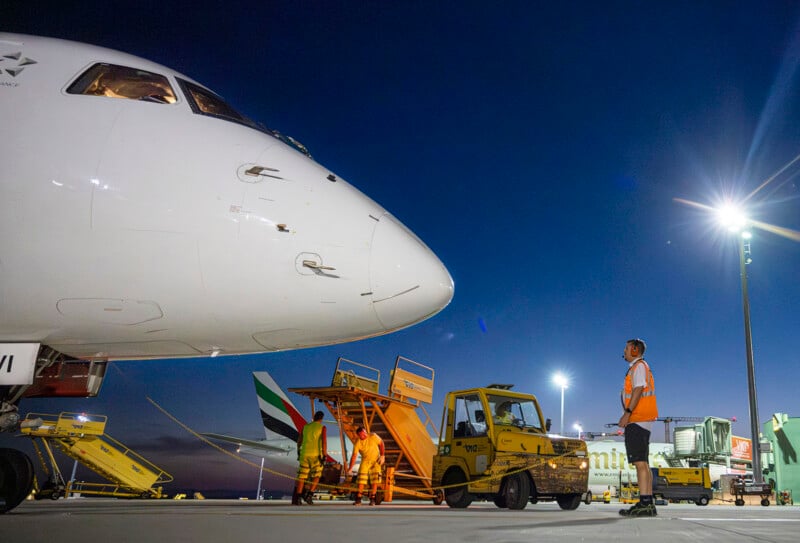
(206, 102)
(123, 82)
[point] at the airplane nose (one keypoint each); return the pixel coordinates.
(409, 283)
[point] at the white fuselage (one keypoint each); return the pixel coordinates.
(131, 228)
(609, 467)
(284, 465)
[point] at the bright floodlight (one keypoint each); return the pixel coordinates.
(732, 218)
(560, 380)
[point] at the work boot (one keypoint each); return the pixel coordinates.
(372, 500)
(307, 497)
(640, 510)
(357, 501)
(296, 498)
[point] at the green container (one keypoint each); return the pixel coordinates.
(782, 464)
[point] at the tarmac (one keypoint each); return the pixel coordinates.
(276, 521)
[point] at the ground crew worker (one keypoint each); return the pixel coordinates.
(312, 448)
(640, 410)
(372, 458)
(503, 414)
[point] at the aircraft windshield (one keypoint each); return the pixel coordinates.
(114, 81)
(123, 82)
(205, 102)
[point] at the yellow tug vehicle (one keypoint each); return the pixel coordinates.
(495, 445)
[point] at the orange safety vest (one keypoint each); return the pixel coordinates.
(646, 409)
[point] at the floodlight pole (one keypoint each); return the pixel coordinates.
(260, 477)
(562, 410)
(758, 477)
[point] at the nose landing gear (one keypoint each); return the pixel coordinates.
(16, 478)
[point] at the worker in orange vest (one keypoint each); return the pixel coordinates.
(640, 410)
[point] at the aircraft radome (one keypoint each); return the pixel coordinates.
(141, 216)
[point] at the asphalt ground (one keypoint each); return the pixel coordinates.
(230, 521)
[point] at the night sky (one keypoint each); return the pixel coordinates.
(537, 149)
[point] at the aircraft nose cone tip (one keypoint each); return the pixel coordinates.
(409, 283)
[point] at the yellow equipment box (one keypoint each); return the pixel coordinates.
(693, 484)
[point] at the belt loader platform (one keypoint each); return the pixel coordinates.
(398, 417)
(81, 437)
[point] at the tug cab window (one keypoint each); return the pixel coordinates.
(470, 419)
(122, 82)
(510, 411)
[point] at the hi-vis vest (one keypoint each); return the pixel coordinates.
(646, 409)
(312, 439)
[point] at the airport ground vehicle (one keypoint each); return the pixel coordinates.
(683, 484)
(82, 437)
(494, 445)
(398, 417)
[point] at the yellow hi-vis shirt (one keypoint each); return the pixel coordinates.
(369, 448)
(312, 439)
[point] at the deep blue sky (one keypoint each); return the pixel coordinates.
(537, 150)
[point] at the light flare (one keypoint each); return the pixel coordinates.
(731, 217)
(787, 233)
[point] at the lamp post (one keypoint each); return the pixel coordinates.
(260, 477)
(561, 381)
(737, 222)
(744, 260)
(579, 429)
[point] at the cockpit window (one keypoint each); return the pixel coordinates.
(122, 82)
(205, 102)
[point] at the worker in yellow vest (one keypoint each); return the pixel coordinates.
(312, 448)
(639, 411)
(372, 459)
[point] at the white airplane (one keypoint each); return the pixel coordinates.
(141, 216)
(282, 425)
(609, 468)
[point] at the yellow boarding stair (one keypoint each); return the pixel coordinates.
(82, 438)
(399, 418)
